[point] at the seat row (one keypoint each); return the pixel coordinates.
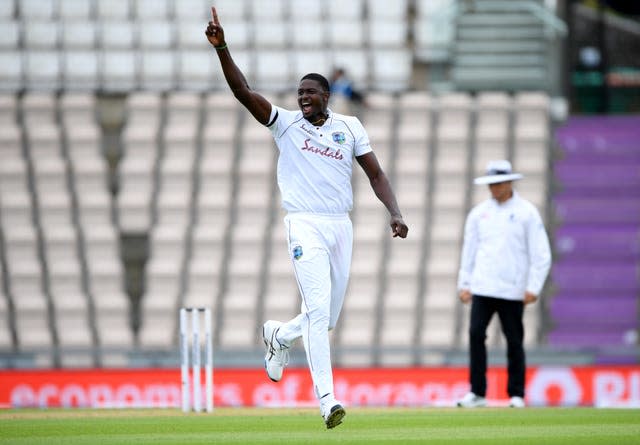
(157, 70)
(200, 9)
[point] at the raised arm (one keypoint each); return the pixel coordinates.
(257, 105)
(382, 188)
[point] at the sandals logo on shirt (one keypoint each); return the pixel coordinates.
(327, 152)
(339, 137)
(297, 252)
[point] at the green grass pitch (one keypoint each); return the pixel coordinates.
(493, 426)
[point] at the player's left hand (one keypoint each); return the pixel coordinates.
(398, 227)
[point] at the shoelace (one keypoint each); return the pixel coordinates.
(284, 359)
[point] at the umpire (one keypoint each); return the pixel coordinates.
(505, 261)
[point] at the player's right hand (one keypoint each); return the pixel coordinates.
(214, 32)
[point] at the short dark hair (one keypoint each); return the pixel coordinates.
(318, 78)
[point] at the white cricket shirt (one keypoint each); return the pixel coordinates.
(505, 251)
(315, 163)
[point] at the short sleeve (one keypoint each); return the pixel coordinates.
(362, 145)
(279, 120)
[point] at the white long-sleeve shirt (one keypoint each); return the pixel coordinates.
(505, 251)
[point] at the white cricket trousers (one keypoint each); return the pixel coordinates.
(320, 248)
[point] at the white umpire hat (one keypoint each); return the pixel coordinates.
(498, 171)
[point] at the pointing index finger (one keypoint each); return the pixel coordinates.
(214, 16)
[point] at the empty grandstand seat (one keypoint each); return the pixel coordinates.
(75, 337)
(8, 117)
(40, 35)
(267, 10)
(157, 70)
(75, 10)
(239, 34)
(7, 9)
(308, 10)
(80, 70)
(309, 35)
(207, 256)
(9, 35)
(387, 10)
(193, 10)
(387, 33)
(437, 329)
(37, 9)
(303, 60)
(39, 107)
(113, 9)
(156, 35)
(118, 35)
(345, 33)
(273, 70)
(12, 69)
(275, 36)
(42, 69)
(119, 70)
(152, 10)
(195, 70)
(189, 34)
(236, 9)
(337, 9)
(391, 69)
(78, 35)
(163, 274)
(357, 328)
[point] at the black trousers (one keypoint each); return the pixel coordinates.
(510, 314)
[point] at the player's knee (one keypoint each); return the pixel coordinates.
(476, 333)
(319, 317)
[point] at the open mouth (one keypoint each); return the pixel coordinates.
(305, 107)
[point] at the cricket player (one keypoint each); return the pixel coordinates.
(317, 148)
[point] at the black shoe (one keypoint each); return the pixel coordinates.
(335, 416)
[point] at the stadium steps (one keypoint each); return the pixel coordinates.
(500, 46)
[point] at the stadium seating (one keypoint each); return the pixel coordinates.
(197, 174)
(123, 45)
(596, 275)
(194, 174)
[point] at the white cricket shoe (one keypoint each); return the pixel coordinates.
(516, 402)
(277, 356)
(333, 412)
(470, 400)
